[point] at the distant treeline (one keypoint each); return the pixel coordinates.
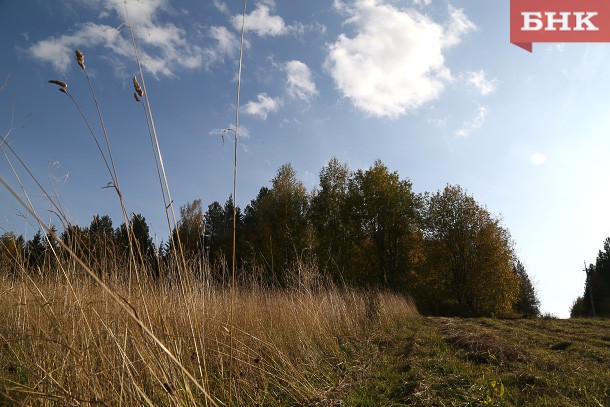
(364, 228)
(595, 300)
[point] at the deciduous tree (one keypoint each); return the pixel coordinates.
(383, 228)
(469, 258)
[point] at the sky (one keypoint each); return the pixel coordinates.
(433, 88)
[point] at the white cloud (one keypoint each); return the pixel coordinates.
(422, 2)
(474, 124)
(270, 3)
(459, 25)
(60, 51)
(229, 132)
(263, 107)
(164, 47)
(227, 43)
(299, 81)
(478, 80)
(221, 6)
(394, 63)
(261, 22)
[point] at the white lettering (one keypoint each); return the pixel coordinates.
(583, 19)
(532, 21)
(564, 20)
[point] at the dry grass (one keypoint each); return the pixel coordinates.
(68, 338)
(71, 343)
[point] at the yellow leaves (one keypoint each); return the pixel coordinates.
(469, 255)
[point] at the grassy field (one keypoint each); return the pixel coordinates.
(69, 344)
(468, 362)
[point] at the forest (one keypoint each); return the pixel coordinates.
(364, 229)
(595, 301)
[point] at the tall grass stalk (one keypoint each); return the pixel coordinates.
(176, 246)
(234, 243)
(127, 308)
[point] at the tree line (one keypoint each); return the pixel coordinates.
(595, 301)
(364, 228)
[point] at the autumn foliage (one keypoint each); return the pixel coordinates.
(363, 228)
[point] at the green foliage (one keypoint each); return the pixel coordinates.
(219, 231)
(219, 238)
(276, 225)
(190, 231)
(366, 228)
(578, 310)
(596, 298)
(34, 251)
(383, 228)
(469, 257)
(140, 234)
(329, 217)
(528, 303)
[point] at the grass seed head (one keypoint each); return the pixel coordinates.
(58, 83)
(63, 90)
(136, 97)
(137, 87)
(80, 58)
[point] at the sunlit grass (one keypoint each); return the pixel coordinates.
(73, 344)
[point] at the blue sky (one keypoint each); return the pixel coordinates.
(432, 88)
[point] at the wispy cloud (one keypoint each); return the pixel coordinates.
(227, 44)
(422, 2)
(479, 81)
(394, 63)
(299, 81)
(59, 50)
(229, 131)
(164, 47)
(263, 107)
(474, 124)
(459, 25)
(221, 6)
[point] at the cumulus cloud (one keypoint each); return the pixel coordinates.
(394, 62)
(261, 22)
(474, 124)
(263, 107)
(165, 48)
(299, 81)
(478, 80)
(264, 23)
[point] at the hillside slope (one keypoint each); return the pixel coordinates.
(461, 362)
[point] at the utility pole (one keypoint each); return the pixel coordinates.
(588, 282)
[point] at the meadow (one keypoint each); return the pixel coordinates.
(67, 342)
(86, 327)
